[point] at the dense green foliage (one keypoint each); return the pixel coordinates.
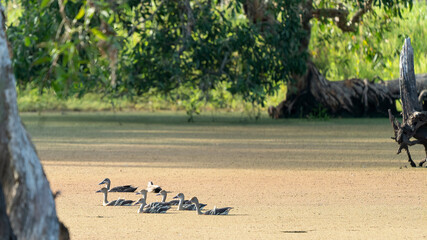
(132, 47)
(374, 50)
(184, 51)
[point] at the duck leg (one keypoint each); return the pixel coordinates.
(425, 159)
(410, 158)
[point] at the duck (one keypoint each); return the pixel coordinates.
(124, 188)
(214, 211)
(164, 195)
(118, 202)
(144, 192)
(144, 208)
(153, 188)
(178, 196)
(187, 204)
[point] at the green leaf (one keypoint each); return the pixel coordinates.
(98, 34)
(41, 60)
(27, 41)
(44, 4)
(81, 13)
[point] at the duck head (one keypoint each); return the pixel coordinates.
(105, 181)
(103, 190)
(142, 192)
(162, 193)
(179, 195)
(140, 201)
(194, 200)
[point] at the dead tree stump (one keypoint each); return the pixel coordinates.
(28, 204)
(414, 125)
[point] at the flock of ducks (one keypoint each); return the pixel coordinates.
(157, 207)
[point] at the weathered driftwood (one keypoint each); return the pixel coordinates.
(351, 97)
(30, 205)
(414, 123)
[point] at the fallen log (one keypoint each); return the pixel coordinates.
(352, 97)
(414, 119)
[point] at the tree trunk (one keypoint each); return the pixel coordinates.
(414, 123)
(312, 93)
(408, 88)
(6, 232)
(30, 205)
(351, 97)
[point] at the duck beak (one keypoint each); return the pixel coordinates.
(98, 191)
(137, 193)
(175, 197)
(158, 194)
(101, 183)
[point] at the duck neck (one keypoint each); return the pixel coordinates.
(198, 208)
(141, 208)
(105, 199)
(164, 197)
(181, 202)
(108, 185)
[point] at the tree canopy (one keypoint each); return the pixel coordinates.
(135, 47)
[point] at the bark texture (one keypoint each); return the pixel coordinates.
(351, 97)
(408, 88)
(29, 202)
(414, 125)
(6, 232)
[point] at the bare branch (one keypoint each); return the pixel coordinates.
(187, 28)
(340, 16)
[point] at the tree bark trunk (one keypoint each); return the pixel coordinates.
(312, 92)
(414, 123)
(6, 232)
(351, 97)
(30, 205)
(408, 88)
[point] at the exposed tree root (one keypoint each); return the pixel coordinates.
(351, 97)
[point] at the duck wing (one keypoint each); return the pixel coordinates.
(189, 207)
(209, 212)
(189, 202)
(156, 209)
(126, 203)
(173, 202)
(124, 188)
(112, 203)
(130, 189)
(218, 211)
(158, 204)
(222, 211)
(119, 202)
